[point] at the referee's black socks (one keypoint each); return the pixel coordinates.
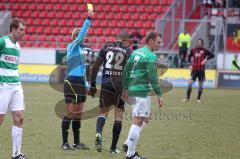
(117, 127)
(65, 126)
(76, 125)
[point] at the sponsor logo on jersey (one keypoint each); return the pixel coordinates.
(9, 58)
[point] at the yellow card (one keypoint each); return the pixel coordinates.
(90, 6)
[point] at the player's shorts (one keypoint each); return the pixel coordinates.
(111, 96)
(74, 90)
(11, 98)
(198, 74)
(141, 107)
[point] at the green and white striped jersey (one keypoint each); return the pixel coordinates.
(9, 57)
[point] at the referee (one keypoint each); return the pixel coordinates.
(75, 86)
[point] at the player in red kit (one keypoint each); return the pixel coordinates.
(197, 58)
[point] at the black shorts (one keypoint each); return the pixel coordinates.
(198, 74)
(111, 96)
(74, 90)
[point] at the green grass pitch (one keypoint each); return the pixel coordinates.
(206, 130)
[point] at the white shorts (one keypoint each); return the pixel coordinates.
(141, 107)
(11, 98)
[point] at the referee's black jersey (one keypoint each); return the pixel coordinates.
(113, 57)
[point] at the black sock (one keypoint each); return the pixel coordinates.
(199, 93)
(117, 127)
(189, 90)
(100, 123)
(76, 124)
(65, 126)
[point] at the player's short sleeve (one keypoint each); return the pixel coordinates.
(2, 44)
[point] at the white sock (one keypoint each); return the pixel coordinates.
(132, 140)
(17, 140)
(127, 140)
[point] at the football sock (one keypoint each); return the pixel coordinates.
(65, 126)
(199, 93)
(117, 127)
(76, 125)
(189, 90)
(133, 136)
(17, 140)
(100, 123)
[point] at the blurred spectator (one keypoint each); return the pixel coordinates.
(136, 38)
(236, 37)
(236, 3)
(235, 65)
(184, 41)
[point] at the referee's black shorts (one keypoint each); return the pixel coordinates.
(200, 74)
(74, 90)
(111, 96)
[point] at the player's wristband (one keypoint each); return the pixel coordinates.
(89, 18)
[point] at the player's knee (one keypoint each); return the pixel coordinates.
(119, 115)
(138, 121)
(18, 121)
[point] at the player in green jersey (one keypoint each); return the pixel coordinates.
(139, 78)
(11, 93)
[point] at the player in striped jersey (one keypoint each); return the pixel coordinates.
(197, 58)
(11, 92)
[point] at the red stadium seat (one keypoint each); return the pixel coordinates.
(43, 14)
(71, 22)
(64, 31)
(32, 6)
(130, 24)
(115, 8)
(35, 14)
(130, 1)
(24, 6)
(127, 16)
(48, 30)
(76, 15)
(37, 22)
(122, 23)
(62, 22)
(51, 38)
(39, 30)
(98, 8)
(135, 16)
(124, 8)
(29, 21)
(42, 38)
(52, 14)
(104, 23)
(54, 22)
(149, 9)
(98, 31)
(138, 24)
(139, 1)
(132, 8)
(46, 22)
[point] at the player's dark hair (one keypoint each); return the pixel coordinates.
(201, 40)
(15, 23)
(152, 35)
(123, 35)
